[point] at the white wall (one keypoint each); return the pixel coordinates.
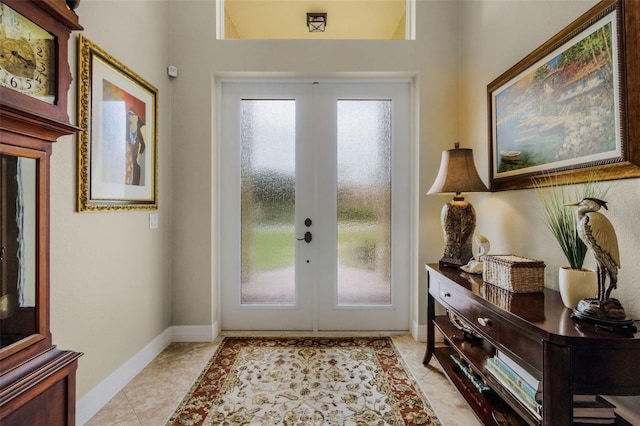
(111, 274)
(117, 286)
(494, 36)
(432, 58)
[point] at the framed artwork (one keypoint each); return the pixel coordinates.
(117, 147)
(564, 109)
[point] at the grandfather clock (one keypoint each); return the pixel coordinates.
(37, 380)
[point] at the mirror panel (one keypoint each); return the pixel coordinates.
(18, 259)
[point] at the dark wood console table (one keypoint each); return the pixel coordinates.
(536, 330)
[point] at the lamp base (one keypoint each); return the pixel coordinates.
(447, 262)
(458, 220)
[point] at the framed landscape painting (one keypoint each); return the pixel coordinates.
(117, 149)
(563, 109)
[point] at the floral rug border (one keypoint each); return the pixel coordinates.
(402, 390)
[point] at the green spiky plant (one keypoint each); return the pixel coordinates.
(561, 220)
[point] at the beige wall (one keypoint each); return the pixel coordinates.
(116, 284)
(494, 36)
(201, 59)
(110, 273)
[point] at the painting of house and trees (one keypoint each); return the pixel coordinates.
(561, 111)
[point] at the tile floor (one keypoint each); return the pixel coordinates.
(152, 396)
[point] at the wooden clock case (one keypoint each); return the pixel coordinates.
(37, 380)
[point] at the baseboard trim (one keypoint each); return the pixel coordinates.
(419, 331)
(195, 333)
(100, 395)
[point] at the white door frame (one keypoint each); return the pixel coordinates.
(340, 315)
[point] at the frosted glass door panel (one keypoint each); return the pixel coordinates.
(315, 178)
(268, 201)
(364, 202)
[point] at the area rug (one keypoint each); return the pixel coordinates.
(305, 381)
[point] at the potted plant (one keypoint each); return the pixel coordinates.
(575, 282)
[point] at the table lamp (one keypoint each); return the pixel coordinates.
(457, 174)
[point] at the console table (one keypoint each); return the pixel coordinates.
(537, 331)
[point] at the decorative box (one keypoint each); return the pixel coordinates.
(514, 273)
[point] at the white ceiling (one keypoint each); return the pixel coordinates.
(286, 19)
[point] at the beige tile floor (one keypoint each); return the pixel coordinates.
(152, 396)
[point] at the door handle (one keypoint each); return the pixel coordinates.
(307, 237)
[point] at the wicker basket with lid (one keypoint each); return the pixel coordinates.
(514, 273)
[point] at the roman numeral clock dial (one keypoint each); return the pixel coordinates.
(27, 56)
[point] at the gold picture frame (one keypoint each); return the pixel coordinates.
(117, 146)
(571, 107)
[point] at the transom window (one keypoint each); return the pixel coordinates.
(346, 19)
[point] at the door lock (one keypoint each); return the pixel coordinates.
(307, 237)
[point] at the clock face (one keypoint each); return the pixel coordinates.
(27, 56)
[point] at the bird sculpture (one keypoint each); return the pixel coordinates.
(597, 232)
(475, 265)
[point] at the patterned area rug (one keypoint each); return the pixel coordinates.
(305, 381)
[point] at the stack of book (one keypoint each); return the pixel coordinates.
(518, 381)
(593, 409)
(587, 409)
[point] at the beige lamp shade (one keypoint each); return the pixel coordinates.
(457, 173)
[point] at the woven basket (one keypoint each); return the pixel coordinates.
(514, 273)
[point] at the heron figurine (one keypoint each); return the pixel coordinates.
(597, 232)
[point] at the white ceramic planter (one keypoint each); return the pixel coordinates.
(576, 285)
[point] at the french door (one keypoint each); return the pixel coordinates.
(315, 205)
